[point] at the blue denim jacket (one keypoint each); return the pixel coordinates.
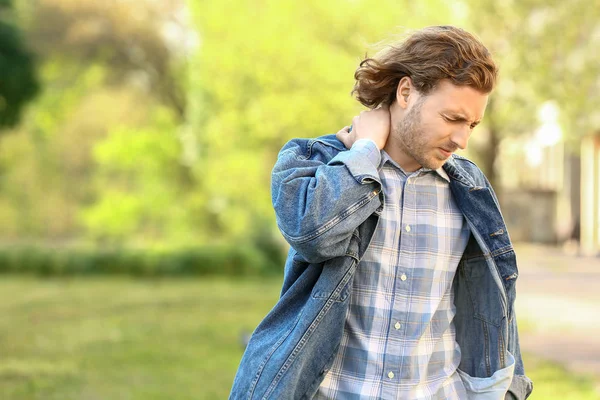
(327, 202)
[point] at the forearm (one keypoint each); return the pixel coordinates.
(320, 202)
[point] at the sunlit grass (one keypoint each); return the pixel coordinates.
(552, 381)
(141, 339)
(125, 339)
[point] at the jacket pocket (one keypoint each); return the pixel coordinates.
(484, 292)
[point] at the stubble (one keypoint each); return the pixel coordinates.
(412, 140)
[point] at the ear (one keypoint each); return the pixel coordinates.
(403, 91)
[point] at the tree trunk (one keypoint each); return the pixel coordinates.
(490, 152)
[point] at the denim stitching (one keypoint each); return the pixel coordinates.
(501, 346)
(309, 331)
(333, 222)
(494, 253)
(273, 349)
(487, 349)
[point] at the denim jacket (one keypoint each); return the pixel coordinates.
(327, 201)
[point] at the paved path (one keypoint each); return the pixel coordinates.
(558, 295)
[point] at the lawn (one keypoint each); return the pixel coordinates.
(117, 338)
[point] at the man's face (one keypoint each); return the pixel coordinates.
(436, 125)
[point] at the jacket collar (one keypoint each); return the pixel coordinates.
(457, 172)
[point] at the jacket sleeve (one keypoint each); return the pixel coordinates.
(521, 386)
(319, 201)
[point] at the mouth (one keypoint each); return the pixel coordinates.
(445, 153)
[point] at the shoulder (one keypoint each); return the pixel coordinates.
(467, 165)
(462, 169)
(323, 148)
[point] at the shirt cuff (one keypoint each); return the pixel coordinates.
(362, 160)
(368, 148)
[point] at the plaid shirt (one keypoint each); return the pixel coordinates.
(399, 339)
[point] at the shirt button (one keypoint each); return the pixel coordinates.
(397, 326)
(407, 228)
(391, 375)
(403, 277)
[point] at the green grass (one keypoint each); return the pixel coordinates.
(119, 338)
(125, 339)
(553, 382)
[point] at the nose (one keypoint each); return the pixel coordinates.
(460, 137)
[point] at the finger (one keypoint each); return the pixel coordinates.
(342, 134)
(344, 130)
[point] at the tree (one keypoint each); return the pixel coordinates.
(105, 68)
(142, 200)
(145, 42)
(266, 72)
(546, 51)
(18, 81)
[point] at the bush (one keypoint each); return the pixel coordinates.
(202, 261)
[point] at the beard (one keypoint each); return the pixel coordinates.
(411, 139)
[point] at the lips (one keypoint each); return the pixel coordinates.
(445, 153)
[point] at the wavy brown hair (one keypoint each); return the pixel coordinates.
(426, 56)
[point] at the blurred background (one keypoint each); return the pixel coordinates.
(138, 246)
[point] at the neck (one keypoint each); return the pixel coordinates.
(397, 152)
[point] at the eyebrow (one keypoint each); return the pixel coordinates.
(459, 116)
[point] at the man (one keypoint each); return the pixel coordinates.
(400, 280)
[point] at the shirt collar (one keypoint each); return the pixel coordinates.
(385, 157)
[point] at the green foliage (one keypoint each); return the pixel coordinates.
(140, 174)
(129, 39)
(100, 85)
(18, 80)
(235, 261)
(148, 134)
(546, 51)
(256, 85)
(47, 161)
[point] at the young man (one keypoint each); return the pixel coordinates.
(400, 280)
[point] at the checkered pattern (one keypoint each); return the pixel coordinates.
(399, 339)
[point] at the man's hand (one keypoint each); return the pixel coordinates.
(372, 124)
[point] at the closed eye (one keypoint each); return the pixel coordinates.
(461, 121)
